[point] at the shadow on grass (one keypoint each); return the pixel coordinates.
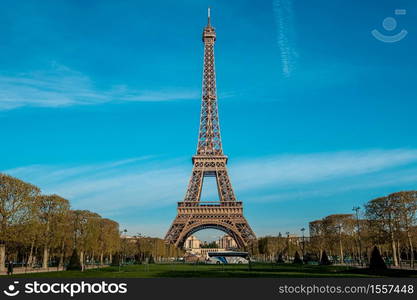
(222, 271)
(385, 273)
(266, 271)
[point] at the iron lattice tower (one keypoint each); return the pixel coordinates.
(193, 214)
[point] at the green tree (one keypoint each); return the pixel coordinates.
(376, 261)
(297, 258)
(325, 259)
(86, 231)
(280, 260)
(51, 211)
(109, 238)
(16, 209)
(74, 263)
(116, 260)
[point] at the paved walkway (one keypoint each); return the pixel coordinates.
(51, 269)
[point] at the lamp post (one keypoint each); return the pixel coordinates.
(288, 245)
(339, 227)
(356, 209)
(124, 248)
(303, 244)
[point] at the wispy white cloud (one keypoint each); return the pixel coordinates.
(149, 182)
(284, 170)
(61, 86)
(283, 13)
(111, 185)
(404, 179)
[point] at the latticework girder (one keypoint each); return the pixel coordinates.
(193, 214)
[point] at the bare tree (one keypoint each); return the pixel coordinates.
(382, 214)
(405, 207)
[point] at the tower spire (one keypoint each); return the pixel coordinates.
(209, 140)
(208, 16)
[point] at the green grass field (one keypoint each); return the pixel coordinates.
(220, 271)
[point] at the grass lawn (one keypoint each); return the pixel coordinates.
(222, 271)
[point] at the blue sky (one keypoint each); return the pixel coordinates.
(99, 102)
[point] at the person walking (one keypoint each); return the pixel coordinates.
(10, 268)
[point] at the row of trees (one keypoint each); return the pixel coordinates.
(37, 228)
(392, 220)
(139, 249)
(274, 248)
(386, 222)
(42, 230)
(336, 234)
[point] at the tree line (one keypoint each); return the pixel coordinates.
(42, 230)
(141, 249)
(39, 230)
(387, 222)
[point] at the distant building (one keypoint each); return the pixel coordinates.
(192, 243)
(294, 239)
(129, 238)
(226, 242)
(193, 246)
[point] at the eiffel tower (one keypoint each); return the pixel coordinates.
(227, 214)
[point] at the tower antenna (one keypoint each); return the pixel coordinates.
(208, 16)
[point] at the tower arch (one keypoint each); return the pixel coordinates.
(211, 225)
